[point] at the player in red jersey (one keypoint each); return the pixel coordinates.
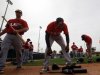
(80, 52)
(74, 49)
(53, 33)
(31, 51)
(26, 48)
(20, 26)
(88, 41)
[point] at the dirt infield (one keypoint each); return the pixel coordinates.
(93, 69)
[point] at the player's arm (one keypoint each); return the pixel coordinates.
(67, 41)
(47, 36)
(67, 37)
(5, 29)
(49, 51)
(3, 32)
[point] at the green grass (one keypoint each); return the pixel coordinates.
(59, 61)
(34, 63)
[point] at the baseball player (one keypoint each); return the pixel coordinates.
(31, 51)
(74, 49)
(25, 55)
(80, 52)
(53, 34)
(13, 27)
(88, 41)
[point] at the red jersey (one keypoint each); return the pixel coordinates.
(88, 39)
(80, 50)
(52, 28)
(74, 47)
(31, 47)
(26, 45)
(16, 24)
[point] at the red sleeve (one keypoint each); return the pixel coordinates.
(8, 28)
(25, 24)
(7, 25)
(50, 27)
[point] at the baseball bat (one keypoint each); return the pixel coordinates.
(18, 35)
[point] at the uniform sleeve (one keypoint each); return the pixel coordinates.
(8, 23)
(25, 24)
(49, 28)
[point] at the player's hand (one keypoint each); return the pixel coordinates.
(67, 48)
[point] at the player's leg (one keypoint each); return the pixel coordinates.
(6, 43)
(18, 47)
(31, 55)
(60, 41)
(89, 53)
(47, 58)
(89, 50)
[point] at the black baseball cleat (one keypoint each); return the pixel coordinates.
(55, 67)
(69, 66)
(67, 71)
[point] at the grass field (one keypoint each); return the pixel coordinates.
(59, 61)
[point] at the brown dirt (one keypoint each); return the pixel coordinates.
(92, 68)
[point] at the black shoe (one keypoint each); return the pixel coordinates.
(70, 65)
